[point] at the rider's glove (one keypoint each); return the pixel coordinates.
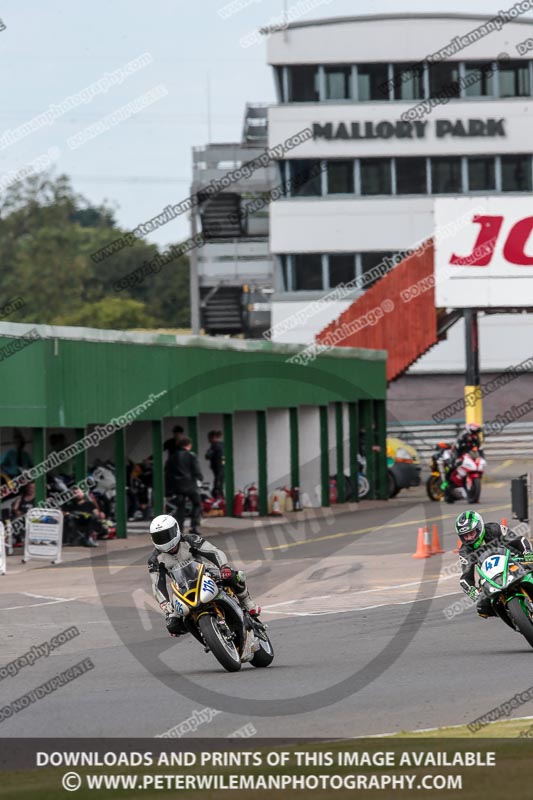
(527, 556)
(473, 593)
(166, 607)
(226, 572)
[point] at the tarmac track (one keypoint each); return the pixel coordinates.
(362, 641)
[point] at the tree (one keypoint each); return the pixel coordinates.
(47, 235)
(111, 312)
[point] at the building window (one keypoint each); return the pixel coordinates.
(481, 175)
(284, 262)
(411, 176)
(376, 176)
(443, 79)
(368, 262)
(408, 82)
(307, 272)
(278, 80)
(340, 177)
(516, 173)
(373, 81)
(341, 269)
(338, 83)
(446, 176)
(305, 178)
(303, 84)
(478, 79)
(514, 78)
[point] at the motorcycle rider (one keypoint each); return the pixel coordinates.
(469, 440)
(474, 534)
(172, 547)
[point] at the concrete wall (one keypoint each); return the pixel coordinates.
(332, 439)
(346, 438)
(309, 442)
(304, 332)
(278, 448)
(328, 225)
(402, 37)
(415, 398)
(245, 448)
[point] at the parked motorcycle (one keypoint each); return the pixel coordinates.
(508, 583)
(462, 482)
(440, 461)
(213, 615)
(363, 484)
(104, 488)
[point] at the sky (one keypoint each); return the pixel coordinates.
(55, 49)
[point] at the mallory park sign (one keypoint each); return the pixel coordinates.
(409, 130)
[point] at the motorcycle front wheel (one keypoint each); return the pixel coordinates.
(474, 490)
(265, 655)
(222, 648)
(521, 619)
(433, 488)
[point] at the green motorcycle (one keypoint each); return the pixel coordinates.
(507, 580)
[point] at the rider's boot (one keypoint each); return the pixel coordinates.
(243, 595)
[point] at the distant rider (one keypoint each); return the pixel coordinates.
(469, 440)
(474, 535)
(171, 547)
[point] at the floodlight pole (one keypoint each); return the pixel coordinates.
(473, 402)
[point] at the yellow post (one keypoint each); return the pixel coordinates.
(473, 405)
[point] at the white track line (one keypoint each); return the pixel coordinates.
(367, 591)
(363, 608)
(50, 602)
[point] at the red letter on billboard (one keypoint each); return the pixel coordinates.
(483, 250)
(513, 250)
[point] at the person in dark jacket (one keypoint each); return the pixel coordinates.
(81, 521)
(215, 456)
(171, 445)
(477, 538)
(182, 476)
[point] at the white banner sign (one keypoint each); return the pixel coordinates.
(2, 549)
(44, 534)
(484, 252)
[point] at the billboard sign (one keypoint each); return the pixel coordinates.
(483, 252)
(44, 534)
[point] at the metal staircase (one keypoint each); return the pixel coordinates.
(221, 310)
(220, 216)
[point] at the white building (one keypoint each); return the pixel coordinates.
(373, 174)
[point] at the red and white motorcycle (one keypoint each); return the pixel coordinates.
(464, 482)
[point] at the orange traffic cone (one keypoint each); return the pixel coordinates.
(457, 546)
(422, 544)
(504, 522)
(435, 542)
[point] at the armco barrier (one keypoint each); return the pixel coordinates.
(514, 441)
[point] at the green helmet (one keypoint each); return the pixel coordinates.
(470, 528)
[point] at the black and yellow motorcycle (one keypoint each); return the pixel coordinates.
(213, 615)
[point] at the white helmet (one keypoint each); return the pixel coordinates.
(165, 533)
